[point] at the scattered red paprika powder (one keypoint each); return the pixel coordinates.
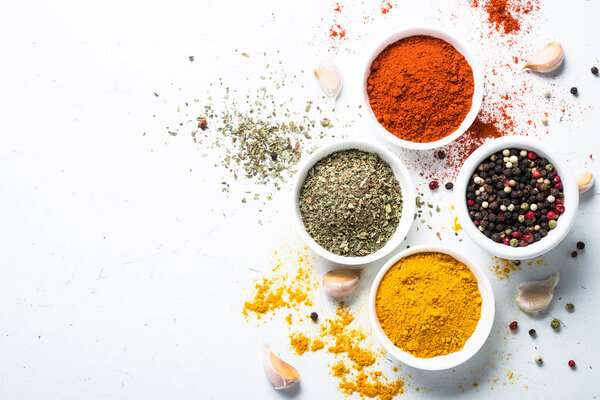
(420, 88)
(505, 15)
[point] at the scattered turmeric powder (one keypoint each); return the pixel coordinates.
(300, 343)
(428, 304)
(356, 363)
(503, 268)
(274, 291)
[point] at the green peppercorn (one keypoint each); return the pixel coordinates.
(525, 206)
(555, 324)
(521, 218)
(570, 307)
(552, 224)
(514, 242)
(549, 167)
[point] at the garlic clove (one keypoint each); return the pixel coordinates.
(584, 182)
(547, 59)
(341, 282)
(281, 374)
(329, 77)
(535, 296)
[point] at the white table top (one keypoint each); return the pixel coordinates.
(123, 265)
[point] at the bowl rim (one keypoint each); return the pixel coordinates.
(460, 44)
(555, 236)
(408, 199)
(473, 343)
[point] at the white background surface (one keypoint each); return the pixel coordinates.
(122, 265)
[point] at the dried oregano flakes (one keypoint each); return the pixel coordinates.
(351, 203)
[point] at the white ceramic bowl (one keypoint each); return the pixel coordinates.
(564, 223)
(472, 345)
(463, 49)
(408, 200)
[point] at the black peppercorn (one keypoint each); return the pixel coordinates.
(274, 156)
(532, 332)
(580, 245)
(574, 90)
(449, 185)
(574, 254)
(441, 155)
(314, 316)
(595, 70)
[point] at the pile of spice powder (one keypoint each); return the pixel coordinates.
(505, 15)
(280, 289)
(420, 89)
(351, 203)
(428, 304)
(355, 365)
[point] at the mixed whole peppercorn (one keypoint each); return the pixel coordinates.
(515, 197)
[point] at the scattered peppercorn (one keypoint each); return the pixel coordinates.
(580, 245)
(314, 316)
(555, 323)
(571, 363)
(538, 360)
(441, 155)
(595, 70)
(574, 90)
(274, 156)
(532, 332)
(517, 263)
(433, 185)
(191, 58)
(570, 307)
(574, 254)
(202, 124)
(513, 325)
(449, 185)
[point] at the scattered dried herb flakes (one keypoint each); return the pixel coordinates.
(351, 203)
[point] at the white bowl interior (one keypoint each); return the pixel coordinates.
(472, 345)
(408, 200)
(554, 236)
(463, 49)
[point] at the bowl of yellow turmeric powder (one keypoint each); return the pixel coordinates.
(431, 308)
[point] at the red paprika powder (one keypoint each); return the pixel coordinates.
(420, 88)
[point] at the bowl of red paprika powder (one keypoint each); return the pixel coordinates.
(422, 87)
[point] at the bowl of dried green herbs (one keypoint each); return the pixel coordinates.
(354, 202)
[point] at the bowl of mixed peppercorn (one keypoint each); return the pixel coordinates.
(515, 198)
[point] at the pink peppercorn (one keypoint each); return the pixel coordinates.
(530, 215)
(536, 174)
(523, 243)
(470, 202)
(506, 241)
(513, 326)
(517, 234)
(434, 185)
(559, 209)
(551, 215)
(556, 179)
(531, 155)
(571, 363)
(558, 185)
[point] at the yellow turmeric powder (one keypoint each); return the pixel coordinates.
(300, 343)
(428, 304)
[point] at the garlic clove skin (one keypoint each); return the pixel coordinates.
(329, 78)
(585, 182)
(341, 282)
(281, 374)
(547, 59)
(536, 296)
